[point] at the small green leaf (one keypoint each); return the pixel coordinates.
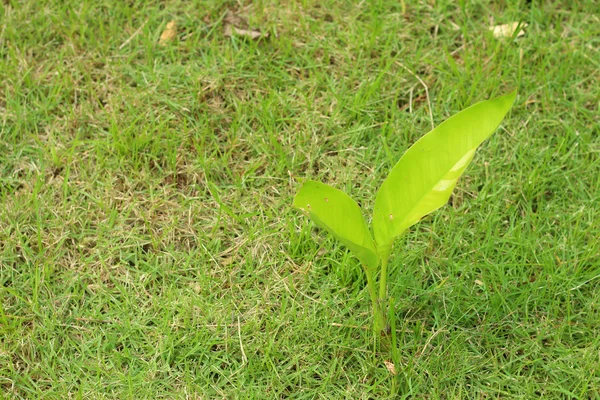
(334, 211)
(423, 179)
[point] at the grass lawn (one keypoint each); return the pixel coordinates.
(148, 248)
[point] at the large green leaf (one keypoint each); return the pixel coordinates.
(425, 176)
(334, 211)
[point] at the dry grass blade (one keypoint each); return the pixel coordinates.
(137, 32)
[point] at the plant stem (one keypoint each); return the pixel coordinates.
(392, 319)
(378, 319)
(383, 281)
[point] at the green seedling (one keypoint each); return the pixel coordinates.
(420, 183)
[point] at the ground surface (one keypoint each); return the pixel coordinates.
(148, 248)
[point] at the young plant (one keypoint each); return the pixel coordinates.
(420, 183)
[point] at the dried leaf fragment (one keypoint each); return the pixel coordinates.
(251, 34)
(390, 367)
(234, 25)
(507, 30)
(169, 33)
(235, 20)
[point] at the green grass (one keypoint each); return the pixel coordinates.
(148, 248)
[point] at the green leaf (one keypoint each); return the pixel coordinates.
(334, 211)
(423, 179)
